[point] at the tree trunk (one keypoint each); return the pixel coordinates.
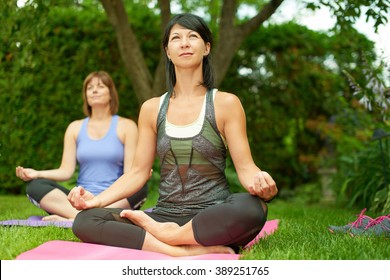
(129, 48)
(146, 86)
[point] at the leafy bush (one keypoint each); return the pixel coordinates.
(44, 60)
(289, 81)
(363, 149)
(364, 178)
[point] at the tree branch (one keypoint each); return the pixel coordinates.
(266, 12)
(232, 36)
(129, 49)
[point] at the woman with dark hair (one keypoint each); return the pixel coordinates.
(103, 144)
(190, 128)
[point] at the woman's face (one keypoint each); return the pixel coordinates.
(97, 93)
(186, 47)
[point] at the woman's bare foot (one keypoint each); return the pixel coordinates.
(151, 243)
(165, 232)
(193, 250)
(55, 218)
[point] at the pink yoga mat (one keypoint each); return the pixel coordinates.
(68, 250)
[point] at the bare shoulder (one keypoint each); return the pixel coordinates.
(149, 113)
(151, 104)
(149, 108)
(226, 100)
(75, 126)
(126, 123)
(73, 129)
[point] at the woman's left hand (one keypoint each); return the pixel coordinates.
(263, 186)
(82, 199)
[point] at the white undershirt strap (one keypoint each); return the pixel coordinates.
(189, 130)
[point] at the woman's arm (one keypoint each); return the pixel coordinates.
(131, 181)
(68, 162)
(128, 133)
(231, 121)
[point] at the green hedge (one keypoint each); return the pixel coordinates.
(43, 64)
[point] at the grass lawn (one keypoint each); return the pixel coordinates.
(302, 233)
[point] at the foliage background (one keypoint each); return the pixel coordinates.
(303, 115)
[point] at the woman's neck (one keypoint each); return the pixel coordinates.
(188, 83)
(101, 114)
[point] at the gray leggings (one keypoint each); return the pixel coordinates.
(233, 223)
(38, 188)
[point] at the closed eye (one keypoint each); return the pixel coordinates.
(174, 38)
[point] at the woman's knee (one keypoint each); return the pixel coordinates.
(105, 226)
(247, 216)
(251, 209)
(88, 224)
(241, 215)
(36, 189)
(249, 221)
(260, 211)
(33, 186)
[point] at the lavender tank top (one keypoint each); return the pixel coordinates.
(100, 161)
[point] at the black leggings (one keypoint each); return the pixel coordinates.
(233, 223)
(38, 188)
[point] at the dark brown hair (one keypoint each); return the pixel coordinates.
(195, 23)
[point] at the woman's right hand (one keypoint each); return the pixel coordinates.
(26, 174)
(82, 199)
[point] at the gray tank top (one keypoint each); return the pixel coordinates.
(192, 169)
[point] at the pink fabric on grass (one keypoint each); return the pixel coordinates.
(268, 229)
(68, 250)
